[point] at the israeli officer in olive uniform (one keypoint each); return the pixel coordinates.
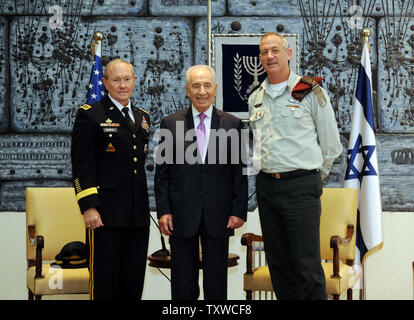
(109, 145)
(299, 142)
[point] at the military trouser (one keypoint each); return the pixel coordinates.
(117, 262)
(289, 212)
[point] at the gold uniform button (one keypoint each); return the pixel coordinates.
(135, 171)
(110, 135)
(134, 147)
(134, 136)
(135, 159)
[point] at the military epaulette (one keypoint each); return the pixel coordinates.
(307, 84)
(144, 110)
(85, 107)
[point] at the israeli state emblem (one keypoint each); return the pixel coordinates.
(247, 69)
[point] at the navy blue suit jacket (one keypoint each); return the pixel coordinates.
(214, 190)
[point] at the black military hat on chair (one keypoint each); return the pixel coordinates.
(73, 255)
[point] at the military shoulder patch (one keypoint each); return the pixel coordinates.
(304, 86)
(144, 124)
(311, 81)
(144, 110)
(319, 95)
(85, 107)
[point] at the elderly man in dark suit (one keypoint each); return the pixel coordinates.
(200, 189)
(109, 145)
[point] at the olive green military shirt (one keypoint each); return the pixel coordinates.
(293, 134)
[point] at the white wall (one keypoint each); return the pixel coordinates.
(389, 272)
(12, 255)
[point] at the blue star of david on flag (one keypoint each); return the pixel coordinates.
(362, 166)
(366, 152)
(96, 88)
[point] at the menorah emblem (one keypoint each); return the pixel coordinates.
(252, 67)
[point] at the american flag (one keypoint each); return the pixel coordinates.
(96, 88)
(362, 167)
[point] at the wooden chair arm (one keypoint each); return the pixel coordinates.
(31, 233)
(246, 240)
(335, 242)
(40, 244)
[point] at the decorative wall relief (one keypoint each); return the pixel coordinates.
(187, 7)
(288, 7)
(50, 68)
(75, 8)
(396, 74)
(4, 64)
(45, 63)
(396, 163)
(13, 193)
(42, 156)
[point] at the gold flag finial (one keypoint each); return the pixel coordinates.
(97, 37)
(365, 33)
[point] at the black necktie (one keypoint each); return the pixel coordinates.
(128, 118)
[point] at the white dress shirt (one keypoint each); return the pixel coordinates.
(120, 107)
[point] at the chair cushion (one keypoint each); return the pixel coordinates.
(73, 280)
(338, 286)
(258, 280)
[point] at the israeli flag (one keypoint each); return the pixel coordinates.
(96, 88)
(362, 165)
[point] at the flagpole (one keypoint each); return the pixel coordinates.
(209, 32)
(365, 34)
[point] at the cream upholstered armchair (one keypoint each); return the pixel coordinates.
(337, 234)
(53, 219)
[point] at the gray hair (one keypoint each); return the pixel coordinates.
(285, 43)
(113, 62)
(204, 66)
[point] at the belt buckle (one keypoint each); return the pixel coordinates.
(276, 175)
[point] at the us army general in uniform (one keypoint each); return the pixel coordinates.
(299, 142)
(108, 155)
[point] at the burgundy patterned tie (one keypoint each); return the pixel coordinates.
(201, 134)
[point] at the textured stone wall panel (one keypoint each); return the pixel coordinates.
(289, 7)
(396, 171)
(13, 193)
(186, 7)
(395, 164)
(4, 63)
(328, 48)
(336, 176)
(74, 7)
(50, 69)
(43, 156)
(396, 74)
(387, 8)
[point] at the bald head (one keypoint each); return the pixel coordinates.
(112, 64)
